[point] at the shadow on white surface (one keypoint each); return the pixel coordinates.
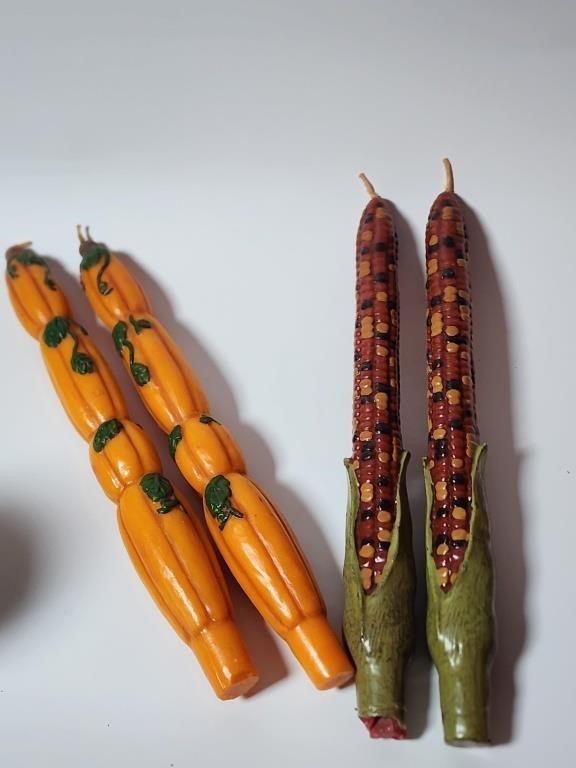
(262, 642)
(412, 304)
(17, 565)
(496, 423)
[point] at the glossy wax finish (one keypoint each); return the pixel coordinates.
(459, 578)
(248, 530)
(170, 553)
(269, 566)
(379, 572)
(169, 550)
(452, 429)
(377, 439)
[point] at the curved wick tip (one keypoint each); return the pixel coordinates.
(368, 186)
(81, 236)
(449, 183)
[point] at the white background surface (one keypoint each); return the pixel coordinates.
(218, 143)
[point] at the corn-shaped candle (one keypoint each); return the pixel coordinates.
(251, 535)
(167, 546)
(458, 564)
(379, 577)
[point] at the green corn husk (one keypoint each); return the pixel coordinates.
(379, 627)
(460, 622)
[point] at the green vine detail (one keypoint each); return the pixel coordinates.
(218, 496)
(205, 419)
(173, 439)
(106, 432)
(158, 488)
(92, 253)
(139, 325)
(54, 334)
(28, 258)
(140, 372)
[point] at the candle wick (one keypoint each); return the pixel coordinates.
(84, 238)
(368, 185)
(449, 183)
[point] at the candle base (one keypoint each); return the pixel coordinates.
(460, 623)
(379, 626)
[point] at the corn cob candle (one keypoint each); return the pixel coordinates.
(379, 575)
(167, 546)
(459, 570)
(251, 535)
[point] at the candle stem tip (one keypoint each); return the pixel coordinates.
(84, 238)
(368, 186)
(449, 176)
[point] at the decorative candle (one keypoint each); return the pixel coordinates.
(379, 577)
(169, 550)
(252, 537)
(458, 565)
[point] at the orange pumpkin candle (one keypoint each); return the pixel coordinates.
(167, 546)
(250, 533)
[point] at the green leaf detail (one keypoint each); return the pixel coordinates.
(218, 495)
(139, 325)
(158, 488)
(460, 622)
(91, 255)
(167, 505)
(119, 335)
(379, 626)
(11, 270)
(173, 439)
(82, 363)
(56, 331)
(106, 432)
(140, 373)
(205, 419)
